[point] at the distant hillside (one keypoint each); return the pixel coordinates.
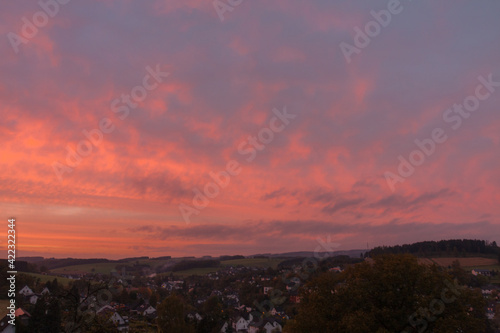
(191, 264)
(30, 259)
(443, 248)
(58, 263)
(310, 254)
(131, 259)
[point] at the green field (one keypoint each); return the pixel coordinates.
(253, 262)
(490, 267)
(247, 262)
(107, 267)
(152, 263)
(495, 279)
(45, 278)
(104, 268)
(3, 307)
(195, 271)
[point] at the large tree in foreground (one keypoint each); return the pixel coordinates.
(392, 293)
(172, 316)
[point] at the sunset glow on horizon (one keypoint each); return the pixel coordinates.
(172, 128)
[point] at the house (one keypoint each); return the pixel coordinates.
(243, 324)
(140, 308)
(254, 328)
(294, 297)
(484, 272)
(105, 309)
(21, 316)
(293, 285)
(216, 293)
(194, 315)
(486, 291)
(224, 327)
(26, 291)
(45, 291)
(201, 300)
(149, 311)
(171, 285)
(490, 310)
(490, 315)
(232, 296)
(336, 269)
(272, 326)
(33, 299)
(267, 290)
(6, 327)
(74, 275)
(232, 303)
(277, 311)
(120, 322)
(175, 284)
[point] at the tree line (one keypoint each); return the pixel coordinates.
(456, 247)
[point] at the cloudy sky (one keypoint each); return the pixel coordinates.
(118, 115)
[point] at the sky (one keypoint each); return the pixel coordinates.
(190, 128)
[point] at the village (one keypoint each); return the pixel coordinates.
(231, 299)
